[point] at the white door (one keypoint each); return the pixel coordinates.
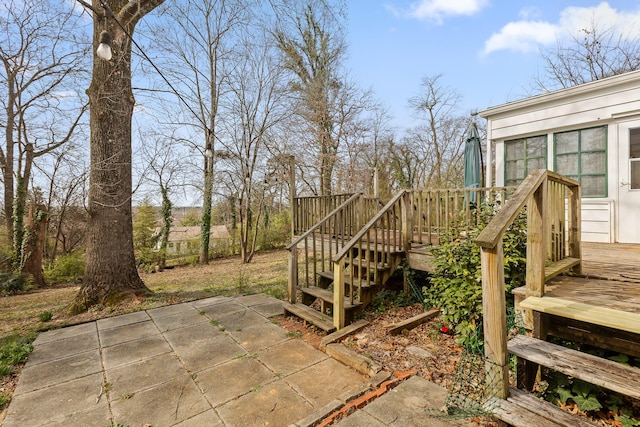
(629, 182)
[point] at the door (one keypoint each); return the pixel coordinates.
(629, 191)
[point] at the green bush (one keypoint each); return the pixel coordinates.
(456, 285)
(10, 284)
(66, 268)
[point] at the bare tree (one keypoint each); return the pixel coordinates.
(440, 136)
(200, 54)
(110, 267)
(310, 38)
(593, 53)
(42, 70)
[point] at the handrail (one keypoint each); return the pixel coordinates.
(367, 227)
(323, 221)
(545, 194)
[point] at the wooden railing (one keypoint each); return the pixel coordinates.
(553, 237)
(445, 212)
(325, 238)
(356, 263)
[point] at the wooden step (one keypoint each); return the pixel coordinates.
(370, 265)
(592, 369)
(522, 409)
(310, 315)
(365, 283)
(327, 296)
(556, 268)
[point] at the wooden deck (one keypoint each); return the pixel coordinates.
(615, 261)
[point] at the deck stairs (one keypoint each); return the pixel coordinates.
(338, 265)
(553, 249)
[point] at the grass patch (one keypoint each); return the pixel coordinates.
(14, 349)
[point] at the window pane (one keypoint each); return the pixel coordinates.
(635, 175)
(593, 185)
(537, 146)
(515, 169)
(533, 164)
(515, 150)
(567, 142)
(567, 164)
(593, 163)
(634, 143)
(593, 139)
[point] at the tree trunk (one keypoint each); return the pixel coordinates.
(110, 268)
(34, 244)
(205, 227)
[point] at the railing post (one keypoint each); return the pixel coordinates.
(407, 220)
(575, 230)
(293, 275)
(495, 321)
(338, 294)
(536, 241)
(292, 195)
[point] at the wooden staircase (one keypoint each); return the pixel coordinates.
(338, 265)
(553, 248)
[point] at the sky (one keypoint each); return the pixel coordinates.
(488, 51)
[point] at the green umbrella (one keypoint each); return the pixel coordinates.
(472, 163)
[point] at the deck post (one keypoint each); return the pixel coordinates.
(575, 229)
(293, 195)
(292, 285)
(495, 321)
(339, 317)
(536, 241)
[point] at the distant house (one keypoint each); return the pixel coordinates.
(186, 240)
(589, 132)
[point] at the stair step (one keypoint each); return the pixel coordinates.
(592, 369)
(522, 409)
(327, 296)
(556, 268)
(347, 279)
(310, 315)
(368, 264)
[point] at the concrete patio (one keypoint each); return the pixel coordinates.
(214, 362)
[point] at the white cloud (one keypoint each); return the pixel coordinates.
(527, 35)
(437, 10)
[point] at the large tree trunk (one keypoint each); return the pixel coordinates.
(34, 245)
(110, 268)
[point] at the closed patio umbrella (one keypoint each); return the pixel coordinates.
(472, 163)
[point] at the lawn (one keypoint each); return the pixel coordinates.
(267, 273)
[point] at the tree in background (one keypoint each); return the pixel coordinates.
(145, 226)
(110, 273)
(311, 40)
(42, 99)
(594, 53)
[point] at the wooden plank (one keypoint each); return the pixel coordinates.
(413, 321)
(536, 242)
(292, 283)
(310, 315)
(556, 268)
(339, 313)
(494, 320)
(338, 335)
(327, 296)
(602, 316)
(595, 370)
(524, 410)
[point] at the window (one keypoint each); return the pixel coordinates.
(523, 156)
(634, 158)
(582, 155)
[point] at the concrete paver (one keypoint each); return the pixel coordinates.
(213, 362)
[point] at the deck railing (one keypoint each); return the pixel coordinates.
(453, 211)
(356, 263)
(552, 204)
(324, 238)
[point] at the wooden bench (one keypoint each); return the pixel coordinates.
(592, 369)
(521, 409)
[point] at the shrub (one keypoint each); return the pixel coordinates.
(456, 285)
(67, 268)
(10, 284)
(14, 349)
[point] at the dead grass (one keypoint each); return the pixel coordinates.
(267, 273)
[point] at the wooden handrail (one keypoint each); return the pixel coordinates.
(367, 227)
(323, 221)
(543, 192)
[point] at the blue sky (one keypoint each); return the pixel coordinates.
(487, 51)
